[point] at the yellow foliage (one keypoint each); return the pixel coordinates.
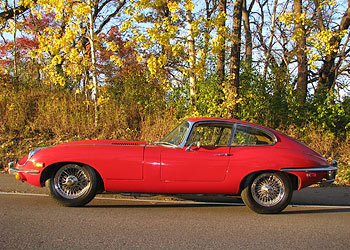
(112, 46)
(60, 48)
(189, 5)
(103, 98)
(29, 3)
(175, 17)
(162, 60)
(125, 26)
(327, 2)
(173, 6)
(141, 38)
(319, 41)
(139, 58)
(152, 65)
(82, 10)
(117, 60)
(177, 49)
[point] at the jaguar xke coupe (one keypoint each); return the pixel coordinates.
(200, 156)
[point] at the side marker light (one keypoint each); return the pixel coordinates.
(311, 174)
(39, 164)
(18, 177)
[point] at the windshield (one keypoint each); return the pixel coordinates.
(176, 137)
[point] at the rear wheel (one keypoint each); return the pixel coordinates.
(73, 185)
(268, 193)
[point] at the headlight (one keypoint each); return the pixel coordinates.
(33, 152)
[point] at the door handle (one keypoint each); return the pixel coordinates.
(223, 154)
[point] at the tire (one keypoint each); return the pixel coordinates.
(267, 193)
(73, 185)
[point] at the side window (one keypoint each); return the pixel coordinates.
(216, 135)
(249, 136)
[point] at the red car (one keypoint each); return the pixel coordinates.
(202, 155)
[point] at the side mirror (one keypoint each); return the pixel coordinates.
(195, 145)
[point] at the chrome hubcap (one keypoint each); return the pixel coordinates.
(71, 181)
(268, 190)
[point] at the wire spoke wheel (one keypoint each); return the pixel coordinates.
(71, 181)
(267, 193)
(73, 185)
(268, 190)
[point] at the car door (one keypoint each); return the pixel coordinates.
(205, 158)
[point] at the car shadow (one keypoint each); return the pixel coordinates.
(314, 210)
(151, 205)
(303, 210)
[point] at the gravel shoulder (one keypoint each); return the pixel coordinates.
(332, 196)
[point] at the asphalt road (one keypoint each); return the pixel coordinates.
(37, 222)
(29, 219)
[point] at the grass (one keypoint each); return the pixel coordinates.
(38, 117)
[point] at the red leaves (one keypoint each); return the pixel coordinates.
(128, 56)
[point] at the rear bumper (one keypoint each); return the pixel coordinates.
(330, 171)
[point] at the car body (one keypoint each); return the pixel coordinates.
(201, 155)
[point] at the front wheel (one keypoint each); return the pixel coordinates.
(73, 185)
(268, 193)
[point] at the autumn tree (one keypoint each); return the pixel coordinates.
(335, 50)
(296, 54)
(318, 36)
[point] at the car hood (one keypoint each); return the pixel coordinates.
(102, 142)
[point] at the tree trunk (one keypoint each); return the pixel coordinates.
(220, 66)
(272, 34)
(247, 32)
(192, 59)
(15, 78)
(93, 63)
(233, 85)
(206, 46)
(301, 88)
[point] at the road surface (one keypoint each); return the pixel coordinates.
(30, 219)
(37, 222)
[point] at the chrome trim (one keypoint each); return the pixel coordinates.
(310, 169)
(331, 171)
(193, 124)
(188, 133)
(334, 163)
(257, 128)
(11, 167)
(223, 154)
(27, 171)
(13, 170)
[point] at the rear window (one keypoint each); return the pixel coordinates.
(250, 136)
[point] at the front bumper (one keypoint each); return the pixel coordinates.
(330, 171)
(12, 168)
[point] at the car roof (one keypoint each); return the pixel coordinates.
(222, 119)
(202, 119)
